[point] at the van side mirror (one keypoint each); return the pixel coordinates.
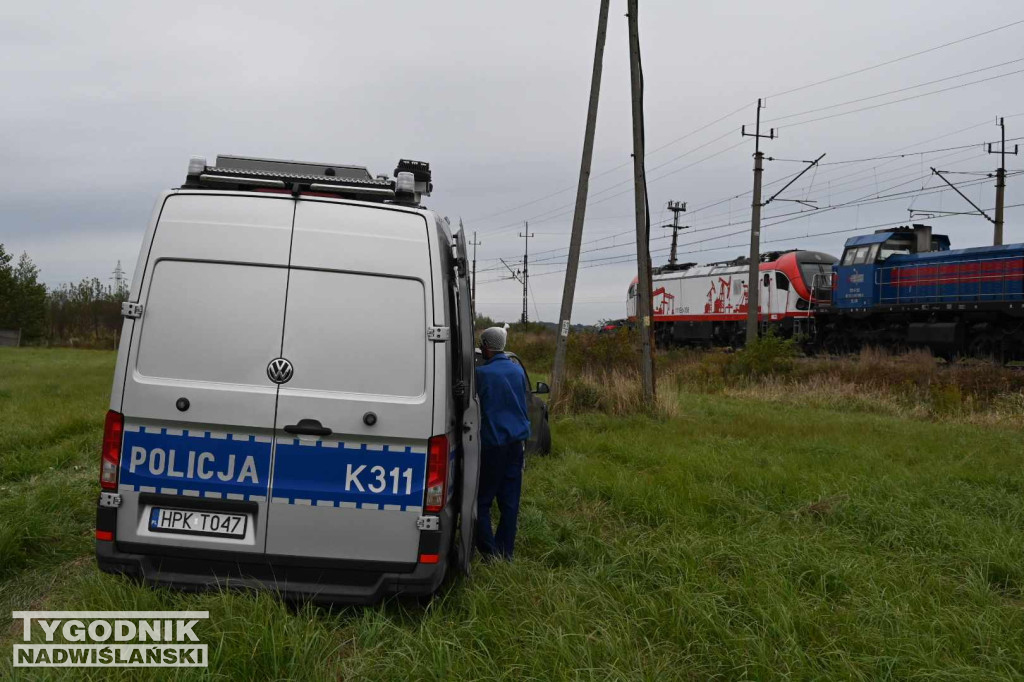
(542, 388)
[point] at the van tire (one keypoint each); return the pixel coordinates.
(544, 439)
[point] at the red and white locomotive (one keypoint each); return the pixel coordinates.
(707, 304)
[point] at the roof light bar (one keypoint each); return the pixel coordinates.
(378, 191)
(245, 173)
(237, 180)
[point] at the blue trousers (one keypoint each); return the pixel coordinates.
(501, 477)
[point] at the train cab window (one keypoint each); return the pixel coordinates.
(892, 248)
(873, 253)
(632, 290)
(848, 256)
(815, 274)
(767, 280)
(862, 255)
(781, 281)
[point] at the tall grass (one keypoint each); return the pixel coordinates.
(743, 538)
(617, 393)
(604, 377)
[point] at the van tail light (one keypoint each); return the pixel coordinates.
(437, 473)
(113, 431)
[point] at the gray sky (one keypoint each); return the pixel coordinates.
(106, 102)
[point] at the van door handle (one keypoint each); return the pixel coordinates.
(308, 427)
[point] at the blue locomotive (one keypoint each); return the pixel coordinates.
(906, 287)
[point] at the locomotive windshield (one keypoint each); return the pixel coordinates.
(809, 270)
(893, 247)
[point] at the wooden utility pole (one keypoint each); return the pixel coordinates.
(569, 288)
(526, 272)
(754, 274)
(1000, 182)
(643, 257)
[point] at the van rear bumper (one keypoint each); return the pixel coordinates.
(323, 582)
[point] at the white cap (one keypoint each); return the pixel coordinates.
(493, 338)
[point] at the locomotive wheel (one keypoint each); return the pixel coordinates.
(835, 344)
(986, 347)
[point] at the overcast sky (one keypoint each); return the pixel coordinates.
(105, 102)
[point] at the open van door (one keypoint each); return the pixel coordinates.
(469, 409)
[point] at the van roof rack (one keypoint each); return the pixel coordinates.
(412, 178)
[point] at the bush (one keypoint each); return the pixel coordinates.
(587, 350)
(86, 315)
(614, 350)
(768, 355)
(483, 322)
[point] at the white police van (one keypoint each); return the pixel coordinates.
(293, 405)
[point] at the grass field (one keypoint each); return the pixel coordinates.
(743, 539)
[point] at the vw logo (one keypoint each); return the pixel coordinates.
(280, 370)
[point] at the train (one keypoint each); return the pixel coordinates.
(707, 304)
(897, 288)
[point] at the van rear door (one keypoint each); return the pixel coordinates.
(355, 418)
(198, 405)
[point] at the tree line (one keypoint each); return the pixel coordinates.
(86, 314)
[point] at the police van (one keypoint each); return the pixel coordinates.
(293, 405)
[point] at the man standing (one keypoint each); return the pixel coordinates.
(501, 386)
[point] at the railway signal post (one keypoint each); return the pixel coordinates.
(753, 276)
(569, 288)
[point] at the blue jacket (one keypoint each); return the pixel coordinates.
(501, 385)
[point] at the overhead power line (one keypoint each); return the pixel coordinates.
(898, 59)
(898, 90)
(833, 189)
(904, 99)
(628, 258)
(563, 210)
(744, 106)
(874, 197)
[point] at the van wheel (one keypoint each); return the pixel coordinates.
(544, 440)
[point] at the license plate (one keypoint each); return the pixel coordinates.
(195, 522)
